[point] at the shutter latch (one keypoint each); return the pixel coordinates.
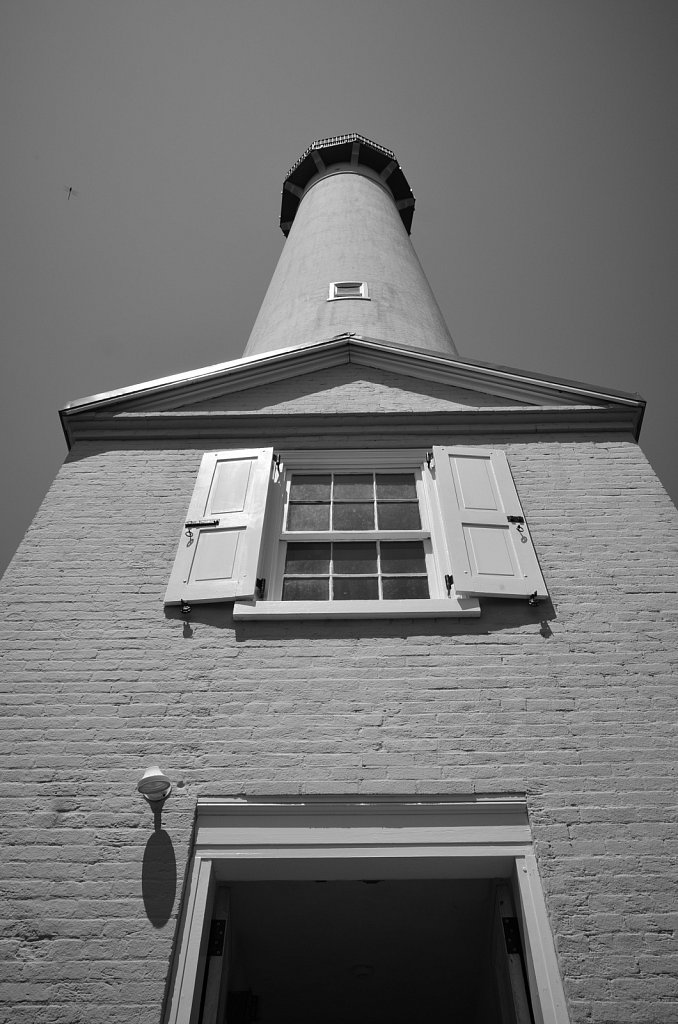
(196, 524)
(521, 522)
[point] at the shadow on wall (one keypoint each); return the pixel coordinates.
(496, 615)
(159, 876)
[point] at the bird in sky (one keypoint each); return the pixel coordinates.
(71, 191)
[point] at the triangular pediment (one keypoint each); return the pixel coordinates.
(344, 376)
(348, 387)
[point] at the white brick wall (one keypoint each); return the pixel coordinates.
(98, 682)
(352, 388)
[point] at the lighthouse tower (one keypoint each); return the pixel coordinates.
(338, 677)
(347, 212)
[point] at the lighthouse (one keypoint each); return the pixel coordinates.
(348, 265)
(339, 676)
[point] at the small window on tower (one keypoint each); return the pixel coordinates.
(348, 290)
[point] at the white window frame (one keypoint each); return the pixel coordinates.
(335, 295)
(244, 839)
(479, 538)
(439, 603)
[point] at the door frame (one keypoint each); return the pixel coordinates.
(302, 838)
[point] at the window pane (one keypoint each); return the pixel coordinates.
(310, 488)
(355, 558)
(398, 515)
(402, 557)
(307, 559)
(308, 517)
(344, 288)
(327, 568)
(396, 485)
(306, 590)
(353, 487)
(361, 588)
(353, 517)
(399, 588)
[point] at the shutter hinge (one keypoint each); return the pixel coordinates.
(449, 580)
(215, 946)
(533, 600)
(515, 519)
(261, 587)
(429, 459)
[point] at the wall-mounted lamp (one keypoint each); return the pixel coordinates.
(154, 785)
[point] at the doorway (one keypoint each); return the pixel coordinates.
(391, 951)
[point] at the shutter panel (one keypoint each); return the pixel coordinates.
(488, 554)
(219, 561)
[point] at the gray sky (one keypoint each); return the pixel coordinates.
(539, 139)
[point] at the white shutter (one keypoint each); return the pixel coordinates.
(218, 553)
(488, 553)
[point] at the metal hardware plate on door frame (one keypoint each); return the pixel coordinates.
(215, 946)
(511, 934)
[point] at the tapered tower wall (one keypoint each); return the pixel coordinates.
(568, 703)
(348, 228)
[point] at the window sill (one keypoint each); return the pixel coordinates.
(430, 609)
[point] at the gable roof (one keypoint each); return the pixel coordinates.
(172, 397)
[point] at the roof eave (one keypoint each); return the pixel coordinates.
(208, 428)
(257, 365)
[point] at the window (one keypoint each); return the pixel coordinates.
(348, 290)
(314, 909)
(354, 533)
(377, 543)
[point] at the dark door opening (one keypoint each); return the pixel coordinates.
(392, 951)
